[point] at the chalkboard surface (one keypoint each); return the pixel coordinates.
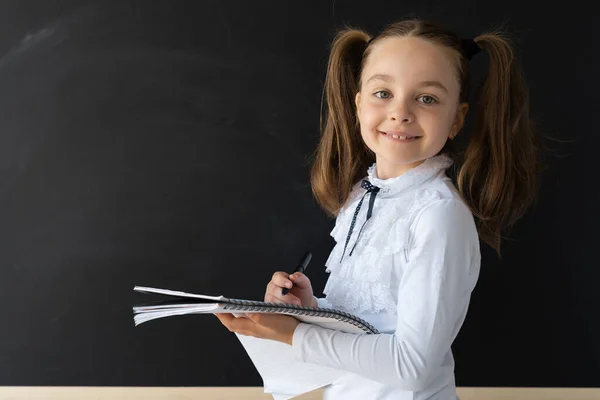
(168, 144)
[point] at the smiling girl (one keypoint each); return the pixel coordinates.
(407, 254)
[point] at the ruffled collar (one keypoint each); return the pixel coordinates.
(419, 174)
(361, 282)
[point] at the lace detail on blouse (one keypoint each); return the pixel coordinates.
(395, 186)
(361, 283)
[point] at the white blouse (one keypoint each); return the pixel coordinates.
(410, 275)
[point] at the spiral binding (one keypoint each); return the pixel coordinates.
(258, 306)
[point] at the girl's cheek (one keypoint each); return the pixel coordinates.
(372, 109)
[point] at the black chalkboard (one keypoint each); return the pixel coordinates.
(168, 144)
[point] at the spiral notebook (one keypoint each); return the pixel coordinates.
(267, 355)
(182, 303)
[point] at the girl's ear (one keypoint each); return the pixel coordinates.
(357, 103)
(459, 120)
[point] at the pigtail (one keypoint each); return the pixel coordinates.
(341, 156)
(498, 176)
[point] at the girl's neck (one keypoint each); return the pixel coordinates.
(386, 170)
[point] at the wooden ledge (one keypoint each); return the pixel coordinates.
(256, 393)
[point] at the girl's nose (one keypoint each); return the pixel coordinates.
(401, 112)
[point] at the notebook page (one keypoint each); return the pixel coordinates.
(177, 293)
(282, 375)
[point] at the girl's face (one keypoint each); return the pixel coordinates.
(408, 103)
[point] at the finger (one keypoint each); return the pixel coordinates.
(281, 279)
(274, 295)
(273, 288)
(252, 316)
(287, 299)
(300, 280)
(231, 322)
(243, 326)
(225, 319)
(257, 318)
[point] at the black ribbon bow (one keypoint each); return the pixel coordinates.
(365, 184)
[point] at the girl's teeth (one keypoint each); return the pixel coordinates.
(400, 137)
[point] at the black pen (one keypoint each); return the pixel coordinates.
(301, 267)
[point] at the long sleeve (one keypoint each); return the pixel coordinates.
(322, 302)
(433, 297)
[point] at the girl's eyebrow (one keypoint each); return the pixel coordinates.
(381, 77)
(436, 84)
(389, 78)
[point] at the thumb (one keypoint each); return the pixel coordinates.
(300, 280)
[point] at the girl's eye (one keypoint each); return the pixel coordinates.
(384, 94)
(428, 99)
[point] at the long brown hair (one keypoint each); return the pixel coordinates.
(496, 173)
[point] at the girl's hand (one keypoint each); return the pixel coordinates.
(301, 293)
(265, 326)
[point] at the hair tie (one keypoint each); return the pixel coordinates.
(469, 47)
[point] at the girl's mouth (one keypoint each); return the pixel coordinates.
(400, 138)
